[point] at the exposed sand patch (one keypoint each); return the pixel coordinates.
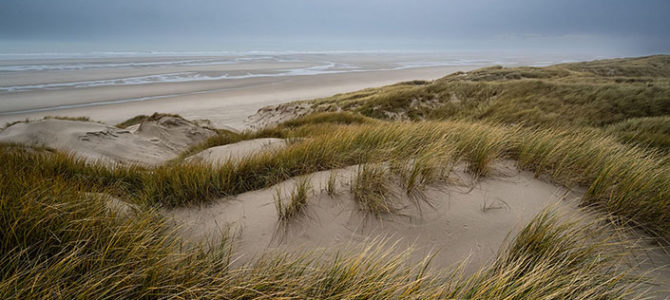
(237, 151)
(275, 114)
(467, 222)
(150, 143)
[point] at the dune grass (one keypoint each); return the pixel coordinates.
(331, 184)
(57, 243)
(372, 192)
(297, 201)
(222, 137)
(583, 94)
(63, 239)
(141, 118)
(83, 119)
(422, 171)
(651, 132)
(623, 180)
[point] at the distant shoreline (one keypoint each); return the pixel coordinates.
(224, 89)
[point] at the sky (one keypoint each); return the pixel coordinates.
(624, 27)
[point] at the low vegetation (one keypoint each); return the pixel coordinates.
(574, 94)
(78, 248)
(653, 132)
(592, 94)
(297, 202)
(331, 184)
(422, 171)
(601, 125)
(372, 190)
(625, 181)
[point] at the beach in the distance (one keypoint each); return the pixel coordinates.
(224, 88)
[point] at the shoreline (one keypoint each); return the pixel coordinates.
(205, 100)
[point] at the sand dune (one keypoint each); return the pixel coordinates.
(149, 143)
(471, 218)
(236, 151)
(468, 219)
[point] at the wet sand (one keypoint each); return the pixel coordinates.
(225, 90)
(225, 102)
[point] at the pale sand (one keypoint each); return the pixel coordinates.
(225, 102)
(149, 143)
(471, 220)
(237, 151)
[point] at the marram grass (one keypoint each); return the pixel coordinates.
(625, 181)
(77, 247)
(59, 244)
(296, 203)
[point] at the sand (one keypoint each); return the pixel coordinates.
(471, 219)
(149, 143)
(226, 102)
(237, 151)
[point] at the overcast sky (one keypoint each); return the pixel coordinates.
(617, 26)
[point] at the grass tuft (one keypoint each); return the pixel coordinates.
(331, 184)
(372, 190)
(297, 201)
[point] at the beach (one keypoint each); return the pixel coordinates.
(224, 89)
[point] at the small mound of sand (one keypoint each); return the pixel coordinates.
(274, 114)
(470, 220)
(236, 151)
(150, 143)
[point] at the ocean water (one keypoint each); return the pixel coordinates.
(158, 64)
(68, 79)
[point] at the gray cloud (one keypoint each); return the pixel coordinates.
(628, 25)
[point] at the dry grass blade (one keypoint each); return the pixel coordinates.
(372, 190)
(297, 202)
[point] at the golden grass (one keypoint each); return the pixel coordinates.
(625, 181)
(583, 94)
(61, 241)
(297, 201)
(141, 118)
(651, 132)
(331, 184)
(371, 189)
(59, 244)
(79, 249)
(83, 119)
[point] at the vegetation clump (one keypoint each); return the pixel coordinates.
(296, 203)
(372, 190)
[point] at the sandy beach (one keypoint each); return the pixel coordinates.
(225, 90)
